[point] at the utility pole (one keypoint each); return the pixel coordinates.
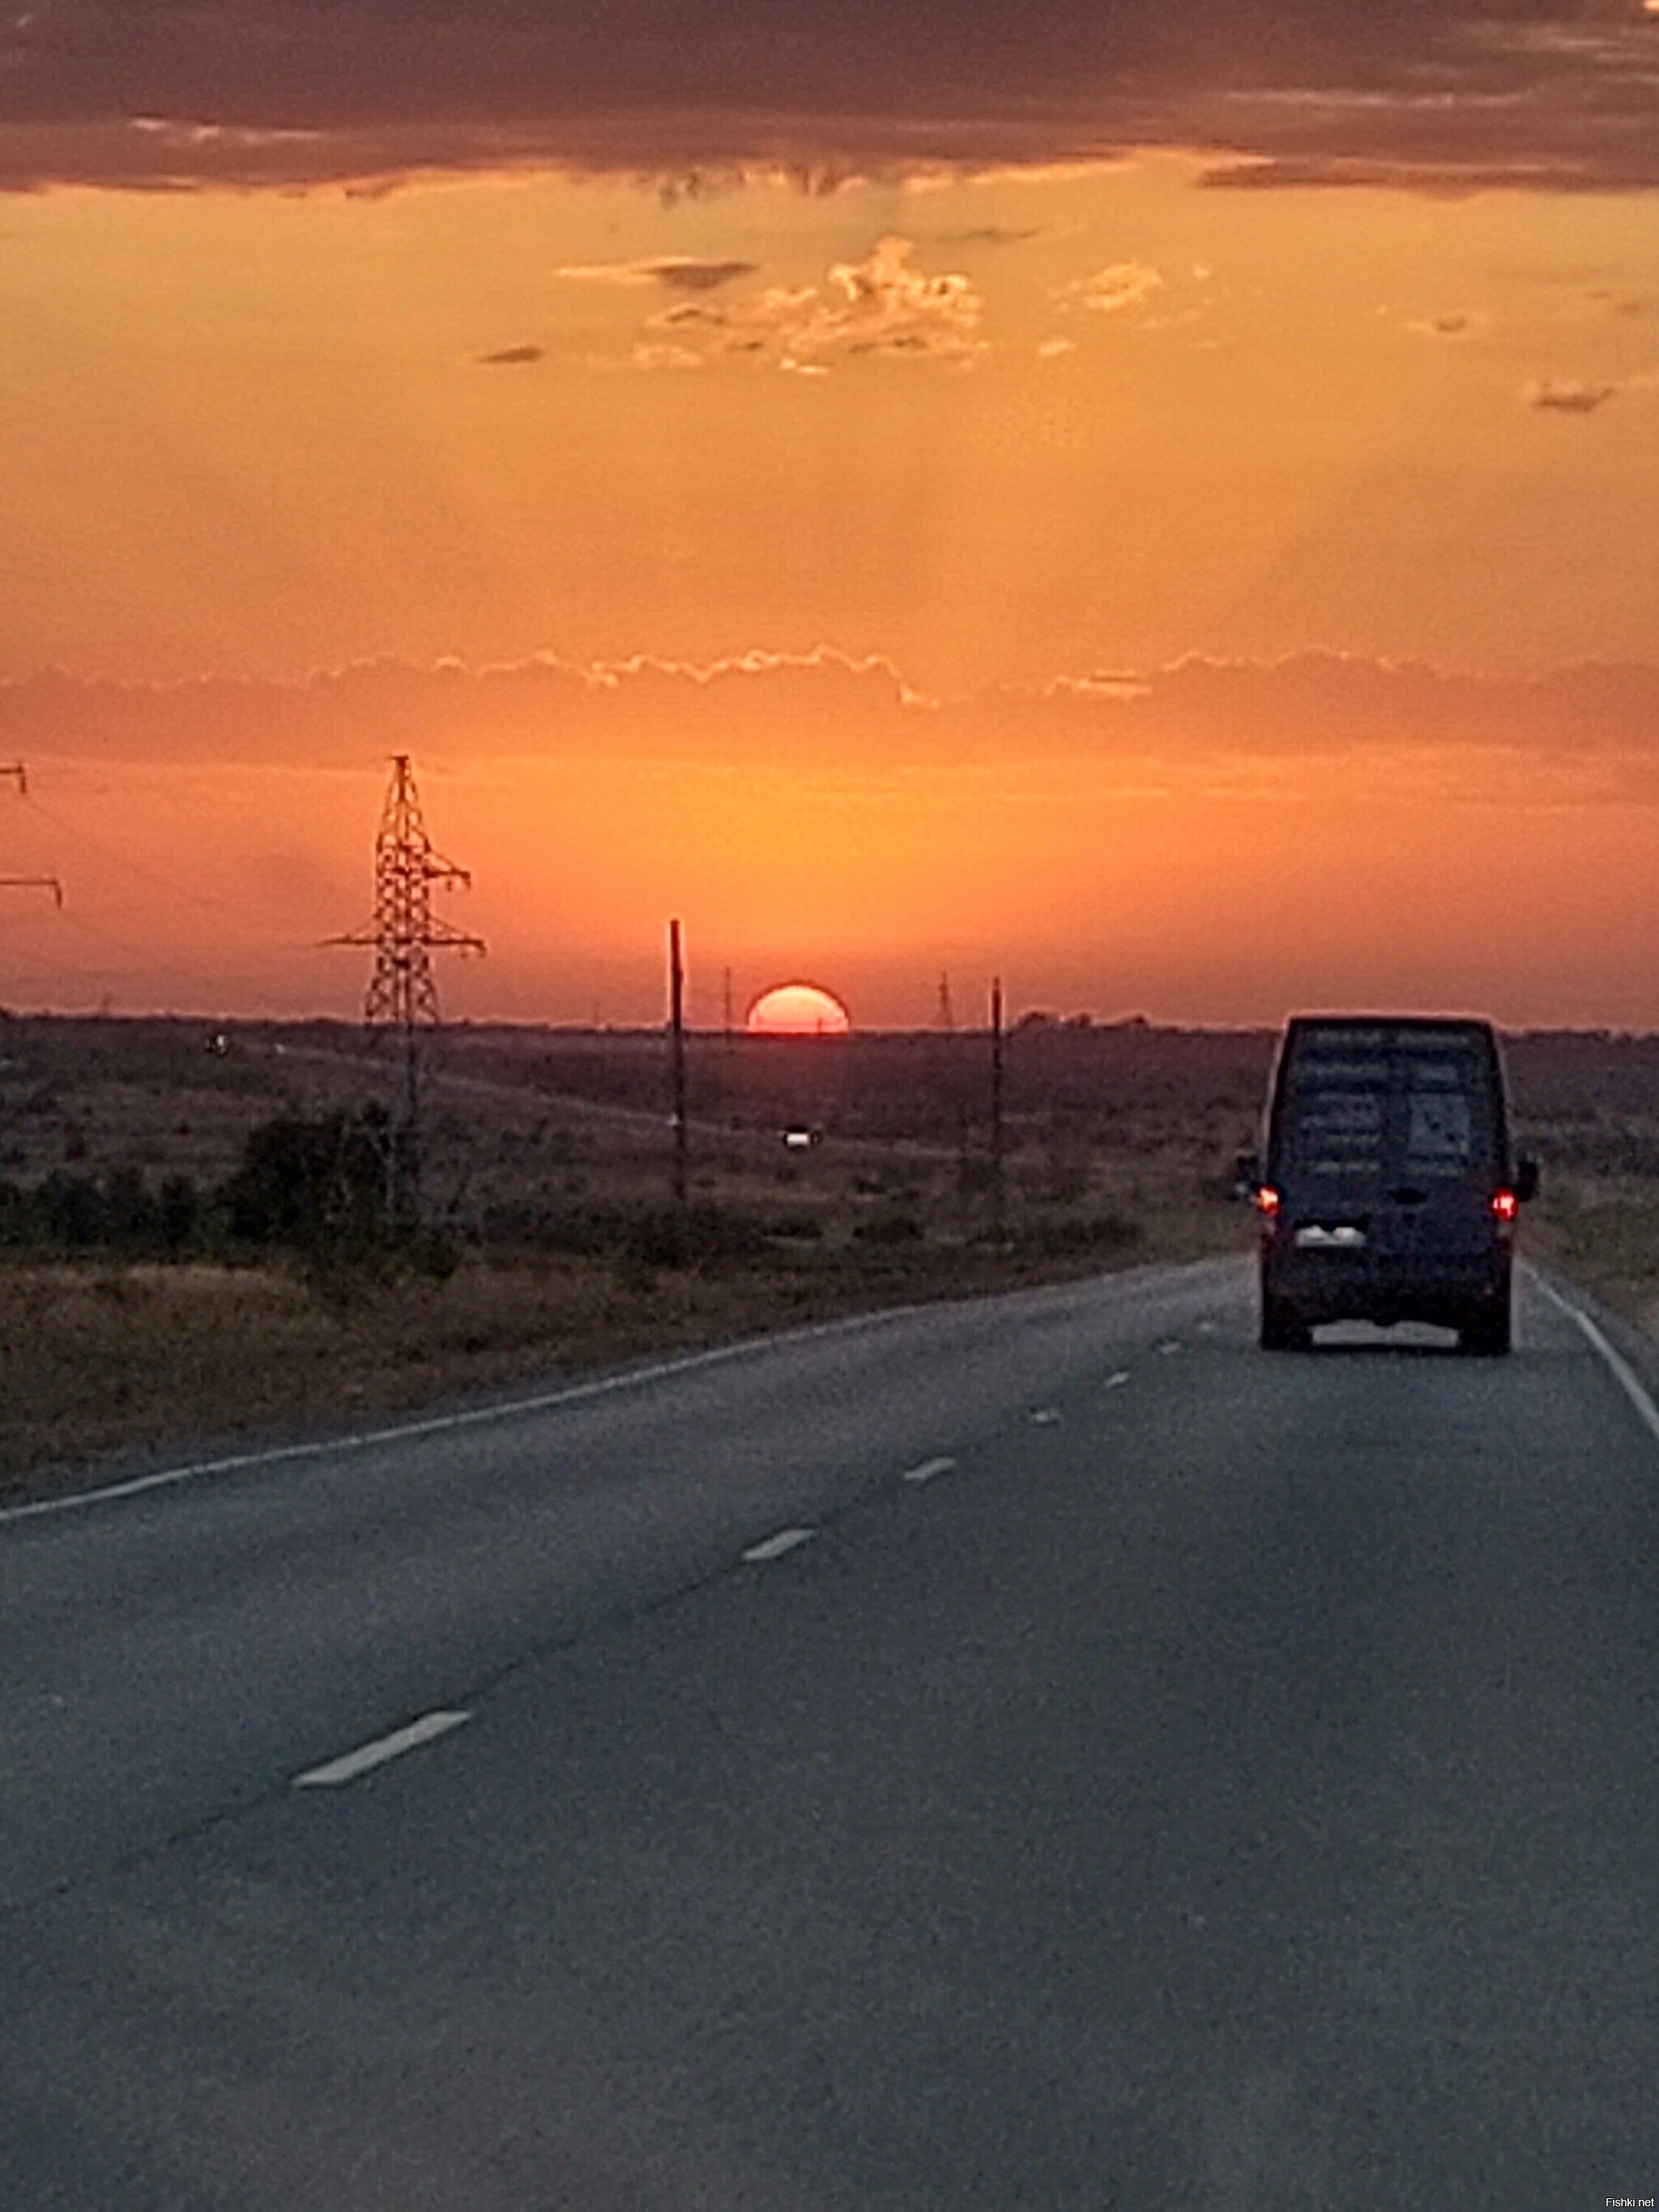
(19, 775)
(998, 1207)
(677, 1036)
(402, 991)
(947, 1013)
(726, 1010)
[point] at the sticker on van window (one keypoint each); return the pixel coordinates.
(1439, 1129)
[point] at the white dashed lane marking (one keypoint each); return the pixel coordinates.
(367, 1756)
(774, 1547)
(1117, 1381)
(928, 1470)
(1045, 1417)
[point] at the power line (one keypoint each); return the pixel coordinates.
(138, 869)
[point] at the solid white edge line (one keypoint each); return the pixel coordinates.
(367, 1756)
(443, 1423)
(774, 1547)
(928, 1470)
(1623, 1373)
(543, 1401)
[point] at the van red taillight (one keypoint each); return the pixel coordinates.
(1505, 1204)
(1266, 1200)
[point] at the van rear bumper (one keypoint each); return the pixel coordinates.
(1312, 1287)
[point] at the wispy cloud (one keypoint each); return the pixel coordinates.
(512, 356)
(989, 233)
(1452, 323)
(677, 272)
(1571, 395)
(1109, 290)
(659, 356)
(1561, 395)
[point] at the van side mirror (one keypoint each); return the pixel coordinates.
(1526, 1178)
(1247, 1175)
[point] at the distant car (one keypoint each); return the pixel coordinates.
(801, 1141)
(1389, 1191)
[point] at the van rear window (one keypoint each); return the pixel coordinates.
(1439, 1131)
(1339, 1127)
(1361, 1101)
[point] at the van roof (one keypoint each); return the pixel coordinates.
(1388, 1022)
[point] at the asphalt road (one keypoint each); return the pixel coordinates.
(1129, 1770)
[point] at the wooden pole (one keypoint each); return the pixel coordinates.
(998, 1208)
(676, 1033)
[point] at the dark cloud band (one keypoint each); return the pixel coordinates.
(825, 709)
(1431, 93)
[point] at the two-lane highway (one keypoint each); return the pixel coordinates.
(1039, 1752)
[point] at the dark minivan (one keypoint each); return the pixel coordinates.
(1388, 1191)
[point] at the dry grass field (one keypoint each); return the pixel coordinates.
(547, 1170)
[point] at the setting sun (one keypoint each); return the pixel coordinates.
(797, 1010)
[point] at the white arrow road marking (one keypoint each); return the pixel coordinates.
(774, 1547)
(369, 1755)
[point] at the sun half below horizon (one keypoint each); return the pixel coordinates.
(797, 1010)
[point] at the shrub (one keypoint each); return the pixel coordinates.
(888, 1229)
(1104, 1235)
(178, 1215)
(791, 1221)
(314, 1185)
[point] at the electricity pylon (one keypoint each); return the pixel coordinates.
(402, 991)
(19, 775)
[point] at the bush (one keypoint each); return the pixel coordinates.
(119, 1214)
(315, 1187)
(1105, 1236)
(791, 1221)
(888, 1229)
(178, 1216)
(693, 1236)
(651, 1237)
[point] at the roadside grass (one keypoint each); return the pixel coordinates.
(1602, 1230)
(99, 1358)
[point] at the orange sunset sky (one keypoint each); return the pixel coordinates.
(1157, 502)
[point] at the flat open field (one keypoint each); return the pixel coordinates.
(547, 1169)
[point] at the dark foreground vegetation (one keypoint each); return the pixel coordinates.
(200, 1233)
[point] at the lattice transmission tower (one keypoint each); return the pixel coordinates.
(402, 990)
(17, 774)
